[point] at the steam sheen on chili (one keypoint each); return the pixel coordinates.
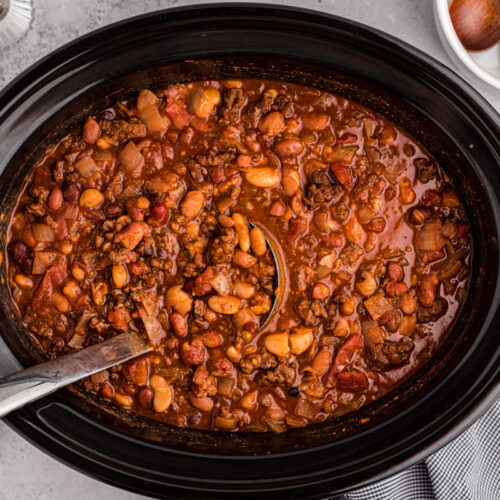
(140, 221)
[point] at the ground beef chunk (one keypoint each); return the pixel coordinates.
(321, 190)
(426, 169)
(203, 383)
(121, 130)
(199, 308)
(268, 361)
(350, 254)
(391, 320)
(98, 324)
(283, 374)
(302, 278)
(197, 172)
(260, 108)
(249, 364)
(216, 160)
(285, 105)
(221, 251)
(199, 165)
(340, 212)
(233, 101)
(389, 354)
(306, 314)
(427, 314)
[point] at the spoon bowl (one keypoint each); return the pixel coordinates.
(476, 22)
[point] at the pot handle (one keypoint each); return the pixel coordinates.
(38, 381)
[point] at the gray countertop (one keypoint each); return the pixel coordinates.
(25, 472)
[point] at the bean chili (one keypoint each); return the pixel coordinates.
(140, 220)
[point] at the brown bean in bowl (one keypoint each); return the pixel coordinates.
(149, 218)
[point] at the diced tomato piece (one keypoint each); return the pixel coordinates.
(347, 138)
(178, 113)
(343, 174)
(352, 381)
(345, 356)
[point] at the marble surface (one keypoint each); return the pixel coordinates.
(25, 472)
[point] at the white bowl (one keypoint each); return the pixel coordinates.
(485, 64)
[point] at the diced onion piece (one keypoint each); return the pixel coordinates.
(342, 153)
(377, 305)
(42, 260)
(131, 158)
(146, 99)
(155, 331)
(43, 233)
(225, 386)
(372, 332)
(86, 166)
(430, 238)
(153, 120)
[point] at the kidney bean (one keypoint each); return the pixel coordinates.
(179, 324)
(419, 215)
(71, 191)
(144, 397)
(277, 209)
(18, 251)
(395, 271)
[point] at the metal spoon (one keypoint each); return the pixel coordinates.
(38, 381)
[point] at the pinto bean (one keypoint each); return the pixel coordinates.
(192, 204)
(179, 324)
(258, 242)
(368, 286)
(206, 102)
(264, 177)
(427, 288)
(289, 147)
(55, 200)
(244, 259)
(91, 131)
(241, 227)
(23, 281)
(315, 121)
(406, 193)
(120, 275)
(204, 404)
(322, 362)
(224, 305)
(132, 235)
(272, 124)
(290, 181)
(162, 397)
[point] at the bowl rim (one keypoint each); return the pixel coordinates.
(22, 420)
(447, 31)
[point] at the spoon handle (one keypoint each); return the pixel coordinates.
(28, 385)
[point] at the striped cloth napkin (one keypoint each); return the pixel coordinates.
(466, 469)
